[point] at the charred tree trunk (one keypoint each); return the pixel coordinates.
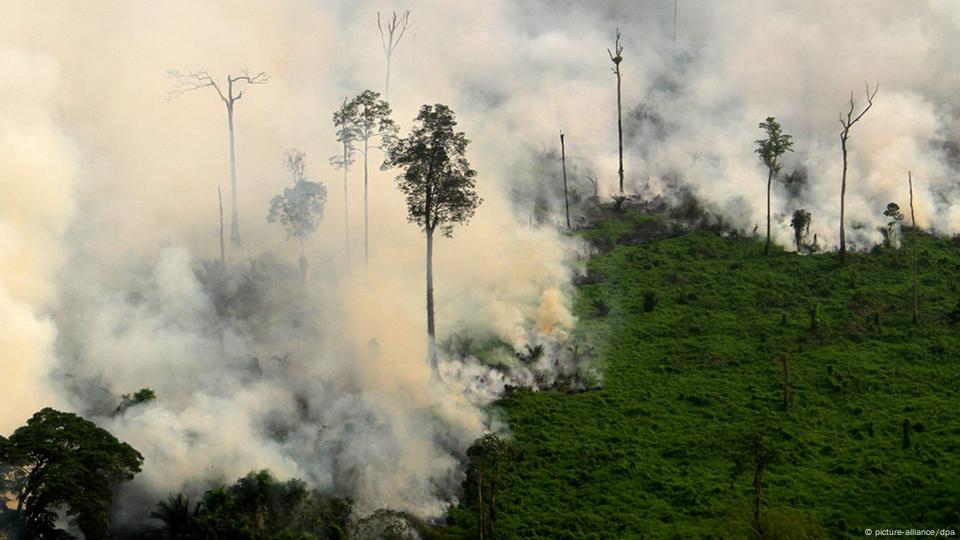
(758, 494)
(234, 216)
(785, 360)
(431, 325)
(563, 164)
(913, 226)
(620, 130)
(766, 248)
(843, 193)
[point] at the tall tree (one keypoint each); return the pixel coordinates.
(371, 120)
(770, 149)
(439, 185)
(617, 59)
(848, 121)
(390, 37)
(299, 208)
(347, 137)
(59, 460)
(563, 166)
(484, 476)
(913, 234)
(230, 92)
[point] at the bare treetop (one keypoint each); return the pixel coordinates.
(850, 120)
(618, 57)
(396, 28)
(188, 81)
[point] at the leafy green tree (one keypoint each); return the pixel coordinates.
(770, 150)
(801, 226)
(439, 185)
(60, 461)
(347, 137)
(129, 400)
(371, 121)
(258, 506)
(487, 457)
(299, 208)
(178, 522)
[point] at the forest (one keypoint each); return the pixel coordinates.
(303, 270)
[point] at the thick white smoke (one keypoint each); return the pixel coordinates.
(37, 173)
(327, 381)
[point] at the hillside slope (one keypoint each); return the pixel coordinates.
(692, 330)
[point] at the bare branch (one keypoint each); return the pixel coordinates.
(851, 120)
(188, 81)
(390, 39)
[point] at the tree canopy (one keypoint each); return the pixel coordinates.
(60, 461)
(299, 208)
(436, 178)
(774, 145)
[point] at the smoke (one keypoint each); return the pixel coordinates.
(36, 178)
(109, 219)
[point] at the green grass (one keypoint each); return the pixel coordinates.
(655, 453)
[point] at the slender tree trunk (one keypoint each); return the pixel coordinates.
(223, 258)
(620, 130)
(431, 325)
(234, 218)
(303, 262)
(843, 193)
(480, 498)
(766, 248)
(913, 221)
(785, 360)
(366, 239)
(346, 207)
(758, 495)
(493, 508)
(386, 82)
(563, 163)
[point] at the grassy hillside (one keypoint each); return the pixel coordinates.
(692, 330)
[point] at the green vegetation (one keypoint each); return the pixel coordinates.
(60, 462)
(667, 448)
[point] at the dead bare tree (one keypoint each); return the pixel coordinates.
(563, 164)
(230, 92)
(616, 59)
(847, 122)
(913, 228)
(390, 38)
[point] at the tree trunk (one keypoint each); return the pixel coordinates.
(493, 508)
(366, 244)
(303, 262)
(843, 192)
(785, 360)
(563, 163)
(234, 218)
(913, 225)
(620, 130)
(346, 207)
(431, 325)
(766, 248)
(223, 258)
(386, 81)
(480, 498)
(758, 495)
